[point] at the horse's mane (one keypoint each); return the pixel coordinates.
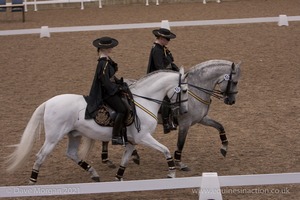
(148, 75)
(208, 64)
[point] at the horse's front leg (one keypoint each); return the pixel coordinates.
(105, 160)
(125, 158)
(149, 141)
(182, 133)
(104, 156)
(212, 123)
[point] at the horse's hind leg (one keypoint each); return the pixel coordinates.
(105, 160)
(46, 149)
(73, 145)
(212, 123)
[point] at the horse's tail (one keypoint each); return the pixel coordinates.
(85, 147)
(34, 127)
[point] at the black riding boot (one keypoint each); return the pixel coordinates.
(165, 118)
(117, 138)
(166, 125)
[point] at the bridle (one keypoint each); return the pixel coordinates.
(216, 93)
(229, 80)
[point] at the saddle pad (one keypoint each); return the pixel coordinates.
(103, 117)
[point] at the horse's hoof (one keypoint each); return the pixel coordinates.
(96, 179)
(135, 157)
(136, 161)
(171, 176)
(118, 179)
(110, 164)
(31, 182)
(185, 169)
(182, 167)
(223, 152)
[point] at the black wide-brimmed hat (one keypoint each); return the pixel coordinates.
(163, 32)
(105, 43)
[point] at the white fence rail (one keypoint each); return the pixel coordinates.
(148, 25)
(35, 3)
(209, 185)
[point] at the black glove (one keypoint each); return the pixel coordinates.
(123, 87)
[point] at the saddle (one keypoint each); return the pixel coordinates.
(105, 115)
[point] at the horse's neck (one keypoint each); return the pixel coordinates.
(155, 87)
(206, 79)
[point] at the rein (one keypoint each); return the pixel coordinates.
(215, 93)
(150, 99)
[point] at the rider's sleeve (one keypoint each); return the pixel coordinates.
(109, 87)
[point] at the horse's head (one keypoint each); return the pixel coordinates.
(228, 84)
(179, 96)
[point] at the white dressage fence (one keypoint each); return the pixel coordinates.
(281, 20)
(208, 185)
(35, 3)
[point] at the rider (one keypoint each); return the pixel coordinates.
(161, 58)
(105, 88)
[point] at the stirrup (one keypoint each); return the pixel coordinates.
(173, 126)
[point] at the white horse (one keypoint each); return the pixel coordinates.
(64, 115)
(202, 80)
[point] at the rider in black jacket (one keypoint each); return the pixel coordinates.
(105, 88)
(161, 58)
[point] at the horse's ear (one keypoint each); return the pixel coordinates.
(186, 75)
(233, 66)
(237, 67)
(238, 64)
(181, 70)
